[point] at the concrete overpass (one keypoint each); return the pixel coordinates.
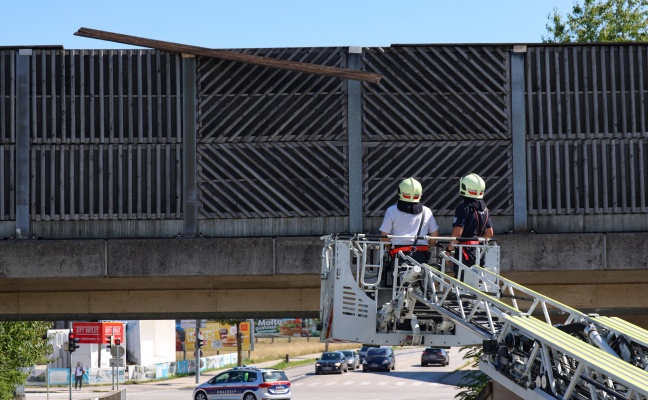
(279, 277)
(150, 184)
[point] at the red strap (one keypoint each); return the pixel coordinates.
(408, 249)
(465, 253)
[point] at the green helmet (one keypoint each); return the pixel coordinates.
(472, 186)
(410, 190)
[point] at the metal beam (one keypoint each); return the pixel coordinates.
(518, 138)
(230, 55)
(354, 126)
(189, 188)
(23, 114)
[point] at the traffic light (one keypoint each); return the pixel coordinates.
(72, 342)
(110, 341)
(117, 342)
(200, 342)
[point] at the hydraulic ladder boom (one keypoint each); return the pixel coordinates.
(585, 357)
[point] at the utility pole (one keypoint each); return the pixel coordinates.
(197, 352)
(70, 358)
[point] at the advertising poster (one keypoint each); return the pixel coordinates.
(300, 327)
(217, 336)
(98, 332)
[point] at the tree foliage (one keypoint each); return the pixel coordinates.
(21, 346)
(600, 21)
(474, 381)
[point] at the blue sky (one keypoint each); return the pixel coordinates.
(276, 23)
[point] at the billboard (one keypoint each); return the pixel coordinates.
(300, 327)
(218, 336)
(96, 332)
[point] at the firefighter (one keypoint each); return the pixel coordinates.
(408, 217)
(471, 219)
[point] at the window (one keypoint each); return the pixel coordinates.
(377, 352)
(236, 376)
(274, 376)
(330, 356)
(222, 378)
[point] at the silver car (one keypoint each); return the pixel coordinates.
(353, 359)
(245, 383)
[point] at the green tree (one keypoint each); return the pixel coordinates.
(474, 381)
(21, 345)
(600, 21)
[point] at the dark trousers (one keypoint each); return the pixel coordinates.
(467, 257)
(78, 380)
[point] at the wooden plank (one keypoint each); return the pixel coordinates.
(230, 55)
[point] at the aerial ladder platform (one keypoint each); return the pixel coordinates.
(368, 298)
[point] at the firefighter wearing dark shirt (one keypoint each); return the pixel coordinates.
(471, 219)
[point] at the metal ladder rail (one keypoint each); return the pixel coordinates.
(618, 332)
(610, 329)
(585, 381)
(460, 302)
(596, 370)
(510, 289)
(596, 367)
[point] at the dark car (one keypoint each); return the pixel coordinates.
(380, 358)
(433, 355)
(331, 361)
(363, 350)
(245, 383)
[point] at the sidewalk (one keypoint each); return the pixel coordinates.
(185, 382)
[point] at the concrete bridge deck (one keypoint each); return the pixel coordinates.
(261, 277)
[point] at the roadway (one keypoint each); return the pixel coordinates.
(408, 381)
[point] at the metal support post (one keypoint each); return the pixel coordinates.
(70, 361)
(354, 124)
(189, 195)
(197, 352)
(23, 112)
(518, 139)
(112, 368)
(70, 365)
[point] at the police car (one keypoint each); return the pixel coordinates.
(245, 383)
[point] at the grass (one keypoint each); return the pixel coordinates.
(269, 349)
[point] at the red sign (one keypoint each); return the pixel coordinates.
(96, 332)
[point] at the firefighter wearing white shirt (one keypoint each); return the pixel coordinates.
(408, 217)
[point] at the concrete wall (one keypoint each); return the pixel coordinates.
(205, 277)
(291, 256)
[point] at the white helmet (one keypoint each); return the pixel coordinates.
(472, 186)
(410, 190)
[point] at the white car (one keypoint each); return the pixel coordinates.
(245, 383)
